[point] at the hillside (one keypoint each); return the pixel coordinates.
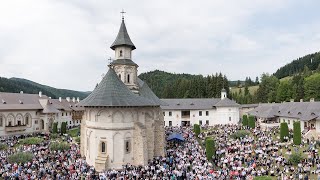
(16, 85)
(311, 61)
(170, 85)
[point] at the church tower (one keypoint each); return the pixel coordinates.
(123, 65)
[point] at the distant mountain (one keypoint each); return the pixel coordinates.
(311, 61)
(15, 85)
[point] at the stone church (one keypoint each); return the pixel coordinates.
(122, 121)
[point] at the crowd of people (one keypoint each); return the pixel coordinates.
(260, 154)
(255, 154)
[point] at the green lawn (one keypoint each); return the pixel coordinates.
(73, 132)
(252, 89)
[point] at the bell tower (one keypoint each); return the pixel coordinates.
(123, 65)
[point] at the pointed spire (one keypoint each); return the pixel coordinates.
(123, 38)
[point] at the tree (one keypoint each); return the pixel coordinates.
(297, 133)
(196, 129)
(245, 120)
(252, 122)
(284, 131)
(312, 86)
(284, 91)
(210, 148)
(63, 128)
(55, 128)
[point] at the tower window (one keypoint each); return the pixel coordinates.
(103, 147)
(119, 76)
(128, 146)
(120, 53)
(128, 78)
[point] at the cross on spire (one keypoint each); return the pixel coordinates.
(122, 12)
(110, 60)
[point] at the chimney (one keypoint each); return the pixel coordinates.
(73, 99)
(68, 99)
(311, 99)
(78, 99)
(21, 92)
(291, 100)
(40, 94)
(301, 100)
(60, 99)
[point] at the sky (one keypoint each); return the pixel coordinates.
(66, 44)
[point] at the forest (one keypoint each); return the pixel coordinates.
(170, 85)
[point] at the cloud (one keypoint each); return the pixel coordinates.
(65, 44)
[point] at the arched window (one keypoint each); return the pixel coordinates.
(103, 147)
(120, 53)
(127, 146)
(128, 78)
(119, 76)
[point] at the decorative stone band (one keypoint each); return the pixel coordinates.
(110, 128)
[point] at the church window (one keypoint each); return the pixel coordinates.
(1, 120)
(128, 78)
(36, 122)
(103, 147)
(120, 53)
(127, 146)
(119, 76)
(27, 120)
(200, 113)
(164, 113)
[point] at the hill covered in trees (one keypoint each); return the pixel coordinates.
(310, 61)
(15, 85)
(170, 85)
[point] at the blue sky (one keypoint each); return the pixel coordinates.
(65, 44)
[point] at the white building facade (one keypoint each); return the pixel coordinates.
(29, 113)
(208, 111)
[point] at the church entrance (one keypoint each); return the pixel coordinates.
(185, 123)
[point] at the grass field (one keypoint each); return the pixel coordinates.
(252, 89)
(73, 132)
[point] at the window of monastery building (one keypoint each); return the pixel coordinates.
(288, 121)
(128, 78)
(120, 53)
(62, 114)
(200, 113)
(103, 147)
(119, 76)
(229, 118)
(170, 113)
(207, 122)
(1, 120)
(27, 120)
(170, 123)
(127, 146)
(36, 122)
(164, 113)
(200, 122)
(207, 113)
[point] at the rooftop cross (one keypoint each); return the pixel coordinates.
(110, 60)
(122, 12)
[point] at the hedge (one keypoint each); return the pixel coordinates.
(284, 131)
(296, 133)
(210, 148)
(295, 158)
(62, 146)
(31, 140)
(3, 146)
(245, 120)
(77, 139)
(239, 134)
(252, 122)
(20, 157)
(196, 129)
(63, 128)
(55, 128)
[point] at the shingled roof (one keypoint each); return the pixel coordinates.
(111, 91)
(197, 103)
(122, 38)
(146, 92)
